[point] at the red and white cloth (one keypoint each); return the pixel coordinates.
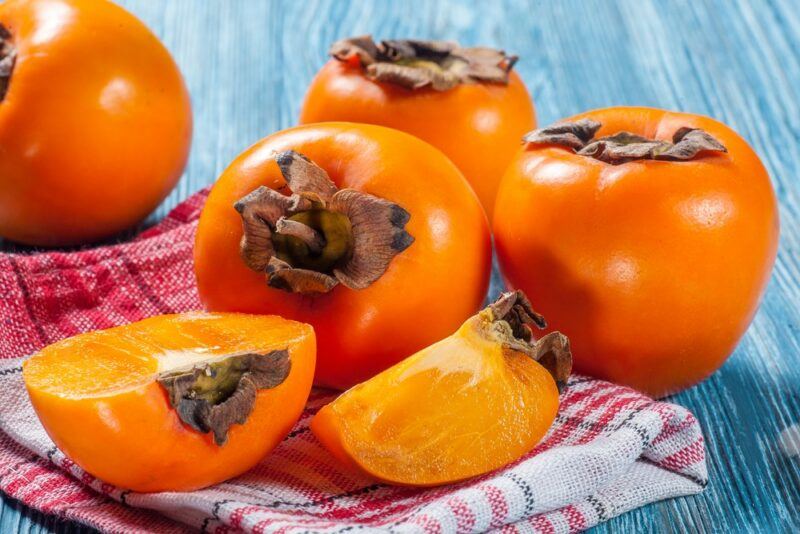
(610, 450)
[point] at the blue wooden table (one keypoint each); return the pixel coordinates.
(247, 64)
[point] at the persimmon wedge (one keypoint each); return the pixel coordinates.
(175, 402)
(467, 405)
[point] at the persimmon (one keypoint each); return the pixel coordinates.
(174, 402)
(467, 102)
(471, 403)
(647, 236)
(95, 121)
(381, 245)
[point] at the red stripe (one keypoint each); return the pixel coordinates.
(542, 524)
(673, 428)
(429, 524)
(39, 494)
(611, 412)
(59, 503)
(575, 518)
(22, 479)
(465, 517)
(563, 434)
(686, 457)
(237, 516)
(498, 504)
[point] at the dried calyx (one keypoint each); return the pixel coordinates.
(319, 236)
(623, 147)
(214, 395)
(8, 55)
(412, 64)
(512, 317)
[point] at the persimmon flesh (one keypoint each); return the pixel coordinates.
(106, 397)
(467, 405)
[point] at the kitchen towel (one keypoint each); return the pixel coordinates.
(610, 449)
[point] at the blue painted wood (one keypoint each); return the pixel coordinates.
(247, 64)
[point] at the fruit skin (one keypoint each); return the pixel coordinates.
(654, 269)
(96, 125)
(428, 289)
(135, 440)
(460, 408)
(478, 126)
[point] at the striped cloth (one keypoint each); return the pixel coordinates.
(610, 450)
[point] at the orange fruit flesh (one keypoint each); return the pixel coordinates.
(459, 408)
(96, 395)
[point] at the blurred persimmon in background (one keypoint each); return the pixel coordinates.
(95, 121)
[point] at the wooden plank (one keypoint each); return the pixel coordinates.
(247, 64)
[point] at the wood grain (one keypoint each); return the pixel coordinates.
(247, 64)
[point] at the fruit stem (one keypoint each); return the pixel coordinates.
(510, 318)
(319, 236)
(213, 395)
(414, 64)
(313, 239)
(622, 147)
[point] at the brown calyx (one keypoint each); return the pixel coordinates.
(213, 396)
(8, 56)
(623, 147)
(319, 236)
(414, 64)
(513, 310)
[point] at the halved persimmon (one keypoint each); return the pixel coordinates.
(175, 402)
(467, 405)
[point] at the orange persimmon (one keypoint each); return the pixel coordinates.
(382, 246)
(467, 102)
(647, 237)
(471, 403)
(174, 402)
(95, 121)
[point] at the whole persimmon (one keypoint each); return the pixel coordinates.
(467, 102)
(173, 402)
(646, 236)
(95, 121)
(369, 234)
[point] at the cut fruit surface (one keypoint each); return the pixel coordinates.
(174, 402)
(467, 405)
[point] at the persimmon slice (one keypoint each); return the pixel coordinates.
(174, 402)
(467, 405)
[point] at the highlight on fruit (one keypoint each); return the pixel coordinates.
(467, 405)
(174, 402)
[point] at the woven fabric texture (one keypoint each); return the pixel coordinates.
(610, 450)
